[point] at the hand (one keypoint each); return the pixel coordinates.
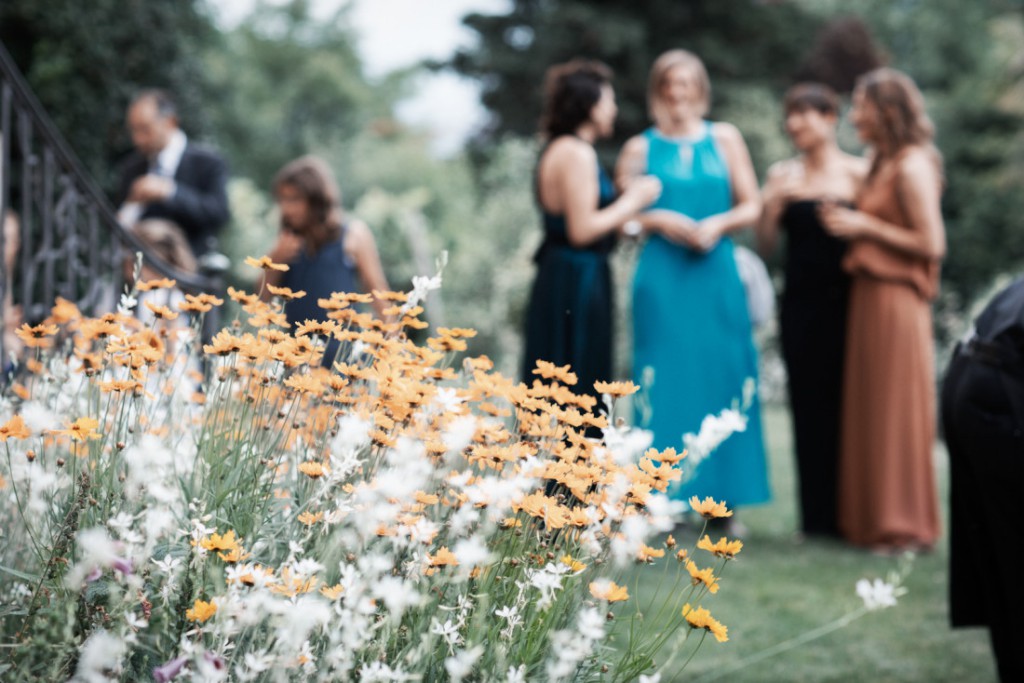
(708, 233)
(676, 227)
(844, 223)
(287, 247)
(150, 188)
(642, 191)
(785, 184)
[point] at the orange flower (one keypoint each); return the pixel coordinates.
(648, 554)
(457, 332)
(265, 263)
(701, 618)
(242, 297)
(444, 557)
(224, 344)
(83, 429)
(708, 508)
(14, 429)
(161, 311)
(723, 548)
(573, 565)
(313, 469)
(64, 311)
(162, 283)
(333, 592)
(551, 371)
(604, 589)
(119, 385)
(616, 389)
(201, 611)
(699, 576)
(199, 303)
(667, 456)
(285, 293)
(38, 336)
(309, 519)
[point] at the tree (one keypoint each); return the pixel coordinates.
(85, 60)
(743, 44)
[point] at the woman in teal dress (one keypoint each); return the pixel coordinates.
(569, 320)
(693, 343)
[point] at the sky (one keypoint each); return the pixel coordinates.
(394, 34)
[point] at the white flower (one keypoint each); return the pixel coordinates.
(100, 661)
(471, 552)
(516, 674)
(713, 431)
(447, 630)
(127, 304)
(653, 678)
(397, 595)
(421, 286)
(877, 594)
(590, 624)
(547, 580)
(448, 399)
(461, 664)
(38, 417)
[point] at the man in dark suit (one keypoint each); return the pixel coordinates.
(983, 416)
(168, 176)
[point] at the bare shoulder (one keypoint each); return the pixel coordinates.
(726, 133)
(570, 149)
(357, 235)
(919, 163)
(856, 166)
(781, 169)
(634, 147)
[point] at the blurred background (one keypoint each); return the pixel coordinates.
(427, 112)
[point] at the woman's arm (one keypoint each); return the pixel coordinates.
(570, 169)
(779, 188)
(919, 187)
(672, 225)
(746, 206)
(361, 246)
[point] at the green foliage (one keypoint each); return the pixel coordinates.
(742, 44)
(85, 60)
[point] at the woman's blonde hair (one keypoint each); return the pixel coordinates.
(167, 241)
(665, 63)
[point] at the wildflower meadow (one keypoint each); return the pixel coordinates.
(242, 510)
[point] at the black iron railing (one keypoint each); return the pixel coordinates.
(71, 243)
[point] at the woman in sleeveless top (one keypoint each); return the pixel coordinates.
(325, 253)
(693, 343)
(814, 301)
(569, 319)
(887, 495)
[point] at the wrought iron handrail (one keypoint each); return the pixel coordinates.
(72, 243)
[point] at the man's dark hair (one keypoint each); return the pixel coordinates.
(165, 105)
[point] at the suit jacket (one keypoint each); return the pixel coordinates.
(200, 203)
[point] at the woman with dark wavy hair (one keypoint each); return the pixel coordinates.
(569, 320)
(887, 495)
(325, 252)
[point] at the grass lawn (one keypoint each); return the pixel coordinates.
(778, 589)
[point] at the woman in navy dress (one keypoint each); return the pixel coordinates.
(814, 301)
(569, 320)
(325, 252)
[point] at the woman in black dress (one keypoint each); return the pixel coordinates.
(814, 301)
(569, 320)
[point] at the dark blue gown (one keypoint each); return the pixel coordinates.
(320, 275)
(569, 319)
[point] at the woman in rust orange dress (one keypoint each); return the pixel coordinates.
(887, 495)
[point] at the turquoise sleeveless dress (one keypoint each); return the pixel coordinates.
(569, 318)
(691, 327)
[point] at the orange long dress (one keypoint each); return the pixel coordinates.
(887, 492)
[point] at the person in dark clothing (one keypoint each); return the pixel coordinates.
(170, 177)
(983, 417)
